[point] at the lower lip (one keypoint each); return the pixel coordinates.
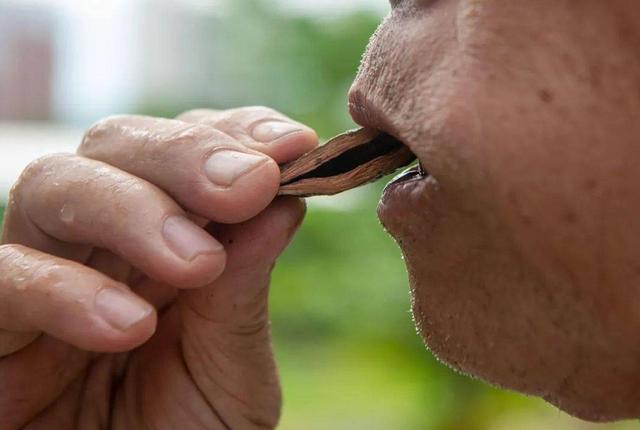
(413, 174)
(409, 174)
(401, 191)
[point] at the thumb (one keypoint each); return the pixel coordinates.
(226, 339)
(252, 248)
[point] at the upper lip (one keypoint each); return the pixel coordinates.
(367, 113)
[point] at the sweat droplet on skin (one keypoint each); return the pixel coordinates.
(67, 214)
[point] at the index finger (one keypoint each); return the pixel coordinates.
(259, 128)
(209, 173)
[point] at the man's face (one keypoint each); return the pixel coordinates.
(522, 244)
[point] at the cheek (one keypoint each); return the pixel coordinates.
(552, 141)
(565, 196)
(504, 257)
(482, 308)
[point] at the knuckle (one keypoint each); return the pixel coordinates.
(23, 263)
(35, 173)
(17, 260)
(100, 283)
(8, 253)
(99, 130)
(49, 273)
(191, 135)
(130, 188)
(249, 117)
(194, 139)
(253, 114)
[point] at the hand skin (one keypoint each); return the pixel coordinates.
(134, 275)
(522, 246)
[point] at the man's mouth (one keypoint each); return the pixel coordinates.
(413, 173)
(369, 112)
(353, 158)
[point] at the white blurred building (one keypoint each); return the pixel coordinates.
(64, 64)
(76, 61)
(26, 62)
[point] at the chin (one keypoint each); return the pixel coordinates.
(485, 310)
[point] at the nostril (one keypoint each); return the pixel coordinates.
(355, 105)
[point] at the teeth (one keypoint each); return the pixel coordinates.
(421, 169)
(406, 173)
(347, 161)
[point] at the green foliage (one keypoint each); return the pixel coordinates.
(298, 65)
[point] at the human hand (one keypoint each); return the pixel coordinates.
(134, 275)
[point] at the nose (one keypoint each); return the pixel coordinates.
(357, 103)
(364, 104)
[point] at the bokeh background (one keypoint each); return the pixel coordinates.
(348, 352)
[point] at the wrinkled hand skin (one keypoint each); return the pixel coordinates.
(134, 275)
(522, 247)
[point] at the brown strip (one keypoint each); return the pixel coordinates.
(347, 161)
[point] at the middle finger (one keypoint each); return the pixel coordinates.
(82, 201)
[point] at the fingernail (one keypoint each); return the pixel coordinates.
(273, 130)
(119, 309)
(225, 166)
(188, 240)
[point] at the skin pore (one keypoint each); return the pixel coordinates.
(522, 244)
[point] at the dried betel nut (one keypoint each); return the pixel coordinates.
(347, 161)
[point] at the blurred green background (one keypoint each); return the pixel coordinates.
(348, 352)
